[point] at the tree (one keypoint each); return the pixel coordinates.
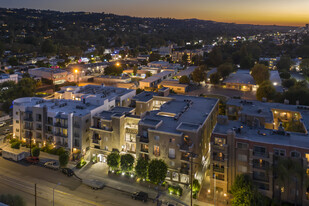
(141, 168)
(288, 171)
(260, 73)
(148, 74)
(113, 160)
(244, 193)
(185, 58)
(285, 75)
(135, 70)
(266, 90)
(35, 151)
(157, 171)
(284, 64)
(215, 57)
(13, 61)
(225, 69)
(126, 162)
(154, 57)
(198, 75)
(12, 200)
(288, 82)
(215, 78)
(184, 80)
(304, 66)
(196, 186)
(196, 60)
(64, 159)
(48, 47)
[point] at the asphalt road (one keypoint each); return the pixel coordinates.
(19, 178)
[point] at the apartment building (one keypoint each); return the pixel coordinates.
(114, 130)
(178, 54)
(251, 139)
(175, 128)
(58, 76)
(62, 123)
(153, 81)
(98, 95)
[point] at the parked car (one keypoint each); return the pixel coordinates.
(2, 124)
(94, 184)
(52, 165)
(32, 160)
(67, 171)
(143, 196)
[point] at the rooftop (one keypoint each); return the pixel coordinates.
(50, 70)
(187, 71)
(62, 106)
(240, 77)
(180, 113)
(114, 112)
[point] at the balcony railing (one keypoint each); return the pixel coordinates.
(144, 150)
(61, 135)
(218, 169)
(184, 170)
(260, 178)
(185, 158)
(144, 139)
(218, 147)
(260, 154)
(260, 166)
(58, 124)
(29, 119)
(217, 158)
(95, 141)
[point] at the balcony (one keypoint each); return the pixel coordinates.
(61, 135)
(217, 158)
(27, 127)
(96, 141)
(28, 119)
(260, 154)
(260, 166)
(218, 147)
(218, 169)
(185, 157)
(144, 139)
(101, 128)
(49, 132)
(58, 124)
(185, 170)
(261, 178)
(185, 147)
(76, 125)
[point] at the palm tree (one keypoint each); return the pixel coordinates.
(288, 170)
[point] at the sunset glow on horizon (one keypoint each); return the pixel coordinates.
(266, 12)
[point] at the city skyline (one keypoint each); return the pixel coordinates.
(283, 12)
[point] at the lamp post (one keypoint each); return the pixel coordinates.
(54, 192)
(76, 73)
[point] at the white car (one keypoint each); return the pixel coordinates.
(2, 124)
(51, 165)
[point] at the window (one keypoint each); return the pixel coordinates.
(105, 139)
(106, 148)
(16, 113)
(295, 154)
(87, 120)
(241, 145)
(144, 147)
(242, 158)
(49, 120)
(157, 138)
(17, 121)
(156, 150)
(172, 163)
(145, 133)
(17, 130)
(171, 153)
(279, 152)
(38, 117)
(259, 151)
(242, 168)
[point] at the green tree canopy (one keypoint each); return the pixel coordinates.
(35, 151)
(288, 82)
(141, 168)
(225, 69)
(13, 200)
(284, 64)
(215, 57)
(48, 47)
(148, 74)
(260, 73)
(304, 66)
(113, 160)
(285, 75)
(266, 90)
(184, 80)
(215, 78)
(157, 171)
(64, 159)
(126, 162)
(198, 75)
(154, 57)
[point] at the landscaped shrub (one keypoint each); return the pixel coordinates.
(175, 190)
(15, 145)
(81, 163)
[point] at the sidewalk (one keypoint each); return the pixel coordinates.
(100, 171)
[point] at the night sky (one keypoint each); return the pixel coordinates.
(280, 12)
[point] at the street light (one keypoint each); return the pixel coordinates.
(54, 192)
(76, 73)
(117, 64)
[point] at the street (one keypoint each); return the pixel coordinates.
(19, 178)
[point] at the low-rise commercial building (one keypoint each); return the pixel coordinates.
(58, 76)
